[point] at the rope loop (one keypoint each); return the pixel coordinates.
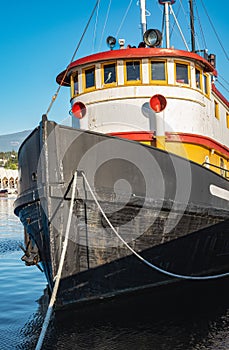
(168, 273)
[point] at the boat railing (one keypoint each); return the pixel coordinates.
(224, 171)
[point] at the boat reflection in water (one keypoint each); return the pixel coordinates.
(177, 318)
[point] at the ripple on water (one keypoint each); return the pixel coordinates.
(9, 245)
(20, 286)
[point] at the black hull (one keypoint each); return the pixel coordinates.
(127, 276)
(169, 216)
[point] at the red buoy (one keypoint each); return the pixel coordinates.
(79, 110)
(158, 103)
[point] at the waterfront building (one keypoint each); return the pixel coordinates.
(8, 179)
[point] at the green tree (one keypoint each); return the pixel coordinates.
(11, 160)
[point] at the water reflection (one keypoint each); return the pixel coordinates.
(189, 320)
(10, 229)
(140, 331)
(20, 286)
(9, 223)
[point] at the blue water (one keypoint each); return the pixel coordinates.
(20, 286)
(154, 326)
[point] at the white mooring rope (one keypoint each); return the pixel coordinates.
(58, 275)
(139, 256)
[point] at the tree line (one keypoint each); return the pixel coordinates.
(9, 160)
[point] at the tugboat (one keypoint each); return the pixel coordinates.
(137, 195)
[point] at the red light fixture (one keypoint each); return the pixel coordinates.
(79, 110)
(158, 103)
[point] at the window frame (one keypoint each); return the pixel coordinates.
(114, 83)
(206, 88)
(91, 88)
(216, 110)
(132, 82)
(72, 83)
(200, 78)
(227, 120)
(188, 70)
(156, 81)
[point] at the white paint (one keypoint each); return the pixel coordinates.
(160, 125)
(219, 192)
(122, 107)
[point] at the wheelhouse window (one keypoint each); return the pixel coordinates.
(109, 73)
(89, 74)
(133, 72)
(216, 109)
(198, 79)
(158, 71)
(74, 84)
(205, 84)
(227, 120)
(182, 73)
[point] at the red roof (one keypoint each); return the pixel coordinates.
(137, 53)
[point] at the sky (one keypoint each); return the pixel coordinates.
(38, 39)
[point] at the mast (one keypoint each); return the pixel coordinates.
(167, 4)
(143, 16)
(192, 26)
(167, 31)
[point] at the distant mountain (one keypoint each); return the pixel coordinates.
(12, 142)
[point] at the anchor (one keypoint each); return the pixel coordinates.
(31, 256)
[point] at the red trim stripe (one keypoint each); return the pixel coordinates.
(198, 140)
(135, 135)
(175, 137)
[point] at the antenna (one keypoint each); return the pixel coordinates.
(192, 26)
